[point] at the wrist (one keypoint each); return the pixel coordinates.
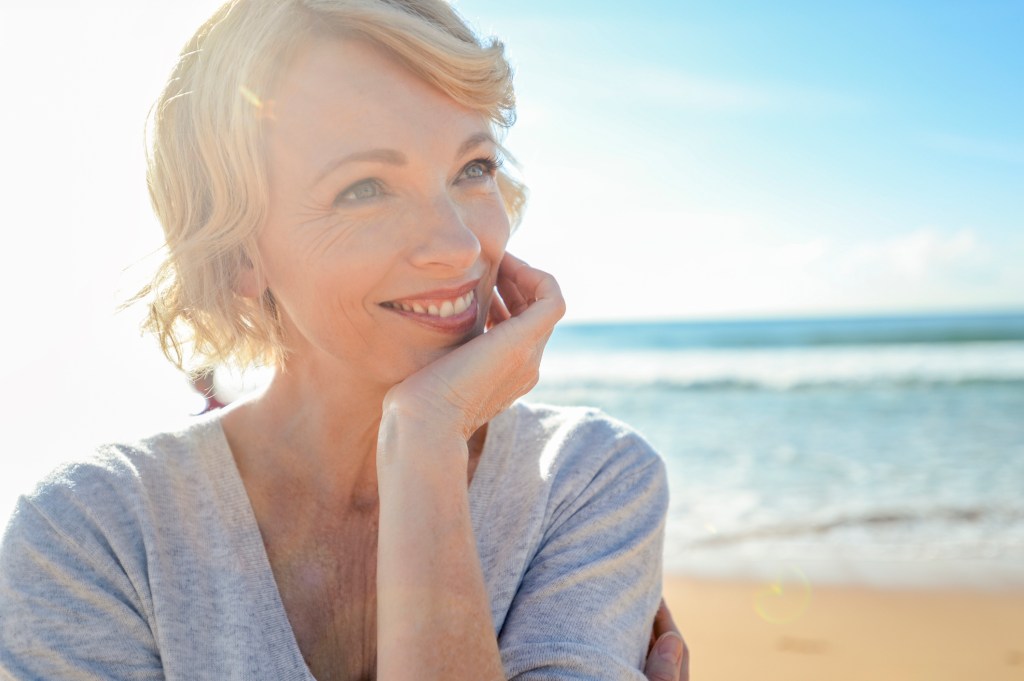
(409, 436)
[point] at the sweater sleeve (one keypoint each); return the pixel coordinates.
(585, 607)
(68, 609)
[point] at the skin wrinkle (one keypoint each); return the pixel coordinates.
(333, 238)
(328, 266)
(316, 551)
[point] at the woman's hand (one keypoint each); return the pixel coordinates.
(426, 550)
(668, 658)
(463, 390)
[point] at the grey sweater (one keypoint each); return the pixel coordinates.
(145, 561)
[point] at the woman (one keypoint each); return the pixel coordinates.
(329, 181)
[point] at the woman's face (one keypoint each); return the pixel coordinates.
(385, 225)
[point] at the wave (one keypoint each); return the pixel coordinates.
(899, 519)
(907, 366)
(778, 333)
(788, 386)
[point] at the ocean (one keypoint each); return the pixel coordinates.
(885, 451)
(877, 450)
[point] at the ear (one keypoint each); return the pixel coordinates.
(248, 283)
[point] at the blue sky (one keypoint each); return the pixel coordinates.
(819, 157)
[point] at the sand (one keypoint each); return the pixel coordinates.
(795, 632)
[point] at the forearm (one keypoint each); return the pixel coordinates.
(433, 613)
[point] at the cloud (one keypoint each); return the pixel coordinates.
(914, 256)
(691, 264)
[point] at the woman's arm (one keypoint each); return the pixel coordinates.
(432, 606)
(433, 610)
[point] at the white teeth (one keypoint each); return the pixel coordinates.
(446, 309)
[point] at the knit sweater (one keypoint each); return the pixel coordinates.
(145, 561)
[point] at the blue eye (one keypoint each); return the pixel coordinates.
(480, 168)
(361, 191)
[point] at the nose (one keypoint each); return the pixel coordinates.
(444, 239)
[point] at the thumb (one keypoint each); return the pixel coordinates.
(665, 660)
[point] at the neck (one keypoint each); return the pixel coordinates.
(312, 436)
(318, 432)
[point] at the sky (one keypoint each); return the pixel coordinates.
(716, 159)
(687, 160)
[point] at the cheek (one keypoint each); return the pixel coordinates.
(491, 225)
(318, 283)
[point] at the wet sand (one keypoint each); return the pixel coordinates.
(797, 632)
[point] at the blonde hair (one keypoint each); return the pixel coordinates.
(206, 173)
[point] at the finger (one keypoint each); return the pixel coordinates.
(497, 312)
(528, 282)
(516, 300)
(666, 661)
(523, 287)
(663, 622)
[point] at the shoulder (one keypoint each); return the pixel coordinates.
(581, 442)
(578, 454)
(115, 470)
(99, 500)
(88, 541)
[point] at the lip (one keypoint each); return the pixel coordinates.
(441, 293)
(456, 324)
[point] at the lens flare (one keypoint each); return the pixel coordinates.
(784, 599)
(250, 96)
(264, 109)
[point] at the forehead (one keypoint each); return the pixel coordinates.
(341, 96)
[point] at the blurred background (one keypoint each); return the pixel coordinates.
(790, 236)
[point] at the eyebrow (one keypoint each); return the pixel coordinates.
(393, 156)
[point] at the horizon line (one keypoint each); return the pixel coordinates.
(936, 314)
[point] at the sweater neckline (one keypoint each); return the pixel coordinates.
(265, 603)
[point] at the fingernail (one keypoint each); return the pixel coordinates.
(670, 647)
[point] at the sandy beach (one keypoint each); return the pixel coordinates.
(771, 632)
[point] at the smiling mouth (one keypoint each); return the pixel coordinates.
(440, 308)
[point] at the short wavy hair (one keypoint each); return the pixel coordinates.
(207, 172)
